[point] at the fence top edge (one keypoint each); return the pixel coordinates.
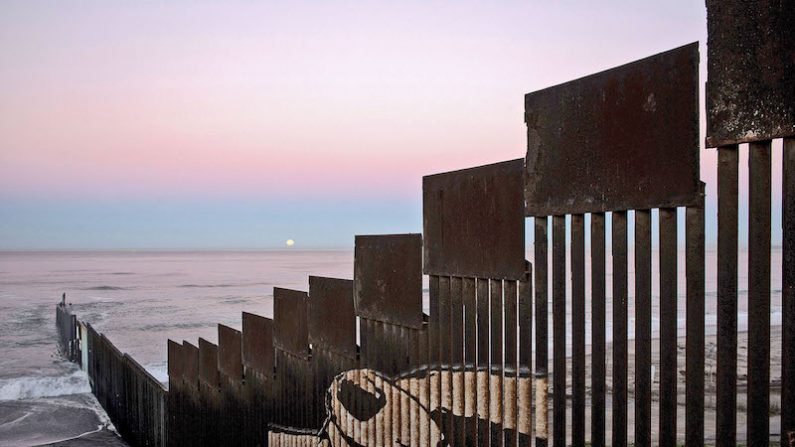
(617, 68)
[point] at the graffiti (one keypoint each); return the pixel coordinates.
(366, 407)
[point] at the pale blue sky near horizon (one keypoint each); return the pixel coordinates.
(197, 125)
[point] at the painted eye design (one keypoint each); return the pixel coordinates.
(358, 402)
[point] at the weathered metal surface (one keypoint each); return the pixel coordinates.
(474, 222)
(759, 292)
(496, 369)
(209, 395)
(751, 71)
(510, 382)
(726, 372)
(230, 353)
(577, 247)
(457, 358)
(598, 331)
(643, 328)
(482, 380)
(290, 322)
(468, 292)
(132, 398)
(388, 278)
(694, 340)
(541, 261)
(208, 362)
(788, 295)
(524, 423)
(620, 335)
(668, 330)
(625, 138)
(258, 343)
(190, 355)
(332, 333)
(332, 318)
(559, 330)
(175, 365)
(445, 359)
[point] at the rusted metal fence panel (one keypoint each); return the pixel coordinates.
(473, 223)
(388, 278)
(258, 373)
(622, 139)
(788, 295)
(524, 423)
(577, 248)
(668, 326)
(388, 298)
(230, 372)
(643, 328)
(134, 401)
(620, 342)
(66, 325)
(598, 331)
(294, 379)
(474, 252)
(694, 345)
(332, 333)
(209, 393)
(559, 330)
(751, 78)
(190, 394)
(176, 396)
(541, 261)
(751, 71)
(758, 408)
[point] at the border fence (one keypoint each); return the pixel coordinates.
(612, 159)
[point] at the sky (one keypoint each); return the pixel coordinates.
(243, 124)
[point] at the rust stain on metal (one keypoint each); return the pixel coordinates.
(332, 318)
(230, 361)
(258, 343)
(388, 278)
(290, 325)
(625, 138)
(751, 71)
(473, 222)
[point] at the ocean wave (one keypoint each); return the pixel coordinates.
(158, 327)
(159, 371)
(214, 286)
(33, 387)
(106, 288)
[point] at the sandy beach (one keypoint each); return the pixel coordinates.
(710, 365)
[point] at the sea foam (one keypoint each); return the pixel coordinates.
(32, 387)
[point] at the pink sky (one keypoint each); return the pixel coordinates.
(192, 106)
(104, 99)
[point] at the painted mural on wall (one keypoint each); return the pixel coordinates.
(367, 408)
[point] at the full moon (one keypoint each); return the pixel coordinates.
(290, 242)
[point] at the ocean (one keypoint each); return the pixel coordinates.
(140, 299)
